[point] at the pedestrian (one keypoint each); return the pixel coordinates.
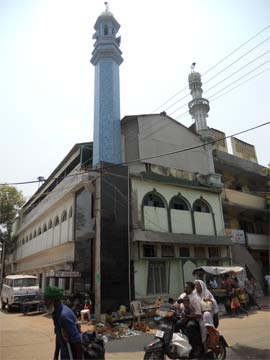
(250, 287)
(267, 283)
(68, 339)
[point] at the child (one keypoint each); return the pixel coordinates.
(86, 310)
(243, 300)
(186, 313)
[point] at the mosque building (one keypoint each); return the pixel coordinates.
(117, 227)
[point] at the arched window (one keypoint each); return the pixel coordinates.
(39, 230)
(106, 30)
(153, 199)
(26, 239)
(30, 236)
(35, 234)
(50, 224)
(64, 216)
(44, 229)
(179, 203)
(201, 205)
(70, 213)
(23, 240)
(56, 221)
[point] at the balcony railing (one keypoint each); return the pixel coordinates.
(258, 241)
(244, 199)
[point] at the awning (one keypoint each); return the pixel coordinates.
(219, 270)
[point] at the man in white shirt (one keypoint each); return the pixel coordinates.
(192, 328)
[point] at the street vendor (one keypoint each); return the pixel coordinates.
(67, 334)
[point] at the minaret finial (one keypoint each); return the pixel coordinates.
(193, 66)
(106, 5)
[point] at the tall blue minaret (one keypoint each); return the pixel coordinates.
(106, 58)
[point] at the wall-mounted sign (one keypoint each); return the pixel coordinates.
(63, 274)
(238, 236)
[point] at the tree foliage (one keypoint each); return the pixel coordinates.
(10, 201)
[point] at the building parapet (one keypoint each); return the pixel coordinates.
(172, 238)
(63, 189)
(244, 199)
(258, 241)
(247, 166)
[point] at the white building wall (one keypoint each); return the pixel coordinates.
(160, 135)
(140, 278)
(155, 219)
(181, 222)
(55, 236)
(204, 223)
(141, 187)
(50, 258)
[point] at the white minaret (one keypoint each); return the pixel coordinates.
(198, 106)
(198, 109)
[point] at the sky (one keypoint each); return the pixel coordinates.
(47, 80)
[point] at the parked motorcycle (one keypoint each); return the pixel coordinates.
(163, 344)
(93, 347)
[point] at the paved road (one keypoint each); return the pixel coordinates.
(31, 337)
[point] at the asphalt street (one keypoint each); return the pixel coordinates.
(31, 337)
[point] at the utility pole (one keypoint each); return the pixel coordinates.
(2, 261)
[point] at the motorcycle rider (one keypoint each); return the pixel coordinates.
(192, 328)
(209, 308)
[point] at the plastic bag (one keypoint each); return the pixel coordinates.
(180, 345)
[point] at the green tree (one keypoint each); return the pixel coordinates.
(10, 201)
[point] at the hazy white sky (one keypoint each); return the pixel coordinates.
(47, 81)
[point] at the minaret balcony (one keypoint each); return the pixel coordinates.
(199, 104)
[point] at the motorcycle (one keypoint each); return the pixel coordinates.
(164, 342)
(93, 347)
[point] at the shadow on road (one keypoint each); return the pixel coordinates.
(129, 344)
(239, 352)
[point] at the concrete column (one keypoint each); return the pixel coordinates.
(43, 283)
(97, 255)
(61, 283)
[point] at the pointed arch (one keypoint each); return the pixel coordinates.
(204, 217)
(56, 221)
(64, 216)
(44, 228)
(50, 224)
(154, 210)
(155, 199)
(180, 215)
(70, 213)
(178, 202)
(201, 205)
(106, 29)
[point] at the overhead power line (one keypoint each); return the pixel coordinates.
(242, 83)
(222, 70)
(215, 65)
(238, 59)
(181, 116)
(238, 79)
(148, 157)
